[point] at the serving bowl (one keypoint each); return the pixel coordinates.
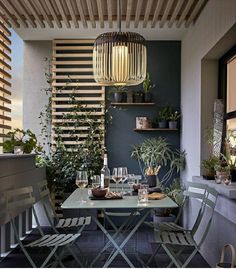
(99, 192)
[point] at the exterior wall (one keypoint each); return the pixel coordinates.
(198, 91)
(34, 99)
(216, 19)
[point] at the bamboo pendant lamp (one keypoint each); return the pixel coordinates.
(119, 58)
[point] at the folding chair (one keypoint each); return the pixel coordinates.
(175, 242)
(55, 222)
(193, 190)
(17, 201)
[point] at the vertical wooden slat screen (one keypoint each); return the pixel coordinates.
(72, 73)
(5, 85)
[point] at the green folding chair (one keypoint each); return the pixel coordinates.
(175, 242)
(65, 224)
(17, 201)
(193, 190)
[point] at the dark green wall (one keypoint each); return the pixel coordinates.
(164, 67)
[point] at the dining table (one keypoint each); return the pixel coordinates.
(128, 202)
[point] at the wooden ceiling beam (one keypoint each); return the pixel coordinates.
(41, 6)
(147, 13)
(23, 10)
(63, 13)
(166, 12)
(184, 13)
(72, 13)
(128, 12)
(156, 13)
(81, 13)
(109, 10)
(90, 11)
(137, 13)
(54, 15)
(175, 13)
(194, 13)
(32, 8)
(100, 13)
(12, 8)
(9, 16)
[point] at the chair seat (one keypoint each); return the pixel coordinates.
(53, 240)
(174, 238)
(169, 226)
(73, 222)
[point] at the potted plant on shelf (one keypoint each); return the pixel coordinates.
(154, 153)
(163, 116)
(21, 141)
(173, 117)
(209, 167)
(119, 94)
(138, 97)
(222, 173)
(147, 87)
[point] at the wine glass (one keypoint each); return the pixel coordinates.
(117, 176)
(96, 181)
(131, 182)
(124, 172)
(82, 182)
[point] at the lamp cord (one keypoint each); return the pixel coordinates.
(119, 13)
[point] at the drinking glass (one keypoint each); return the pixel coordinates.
(96, 181)
(81, 182)
(124, 172)
(117, 175)
(131, 182)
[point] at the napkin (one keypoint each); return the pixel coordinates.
(156, 196)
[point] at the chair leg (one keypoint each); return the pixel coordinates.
(74, 255)
(153, 255)
(177, 255)
(190, 257)
(49, 257)
(171, 255)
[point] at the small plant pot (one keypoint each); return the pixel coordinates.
(18, 150)
(117, 97)
(147, 97)
(162, 124)
(129, 98)
(233, 175)
(151, 181)
(159, 219)
(138, 98)
(172, 124)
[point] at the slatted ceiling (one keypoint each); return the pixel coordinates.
(5, 84)
(74, 75)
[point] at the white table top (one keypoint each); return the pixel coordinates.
(72, 202)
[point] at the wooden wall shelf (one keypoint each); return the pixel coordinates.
(132, 104)
(154, 129)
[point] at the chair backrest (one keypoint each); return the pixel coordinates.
(46, 200)
(209, 208)
(18, 200)
(198, 191)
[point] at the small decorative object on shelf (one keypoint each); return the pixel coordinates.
(142, 123)
(223, 174)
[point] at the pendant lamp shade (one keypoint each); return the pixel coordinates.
(119, 58)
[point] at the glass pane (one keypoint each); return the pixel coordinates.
(231, 85)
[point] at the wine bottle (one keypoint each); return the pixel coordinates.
(105, 173)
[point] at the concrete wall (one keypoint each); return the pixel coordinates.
(215, 20)
(202, 46)
(34, 98)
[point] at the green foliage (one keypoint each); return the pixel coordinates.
(174, 116)
(118, 89)
(62, 162)
(147, 85)
(164, 113)
(157, 153)
(220, 168)
(210, 163)
(175, 192)
(25, 139)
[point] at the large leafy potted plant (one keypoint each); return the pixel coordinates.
(154, 153)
